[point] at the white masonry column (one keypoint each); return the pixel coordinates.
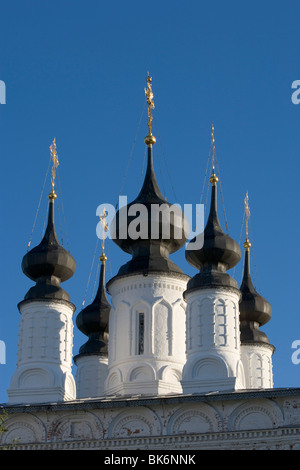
(213, 321)
(213, 341)
(257, 363)
(256, 350)
(92, 360)
(44, 359)
(147, 334)
(91, 375)
(44, 362)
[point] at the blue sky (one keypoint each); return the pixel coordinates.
(76, 71)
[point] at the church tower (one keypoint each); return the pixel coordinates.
(147, 320)
(212, 296)
(255, 311)
(44, 360)
(92, 360)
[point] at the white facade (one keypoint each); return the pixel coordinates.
(176, 374)
(45, 348)
(213, 341)
(91, 375)
(257, 420)
(257, 362)
(146, 335)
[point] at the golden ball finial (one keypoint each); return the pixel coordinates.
(247, 244)
(103, 257)
(213, 179)
(150, 139)
(52, 195)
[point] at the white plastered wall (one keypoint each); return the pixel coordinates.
(44, 360)
(213, 341)
(157, 370)
(257, 362)
(91, 375)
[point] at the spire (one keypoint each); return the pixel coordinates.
(149, 252)
(93, 319)
(149, 139)
(219, 251)
(49, 264)
(255, 311)
(213, 179)
(55, 164)
(247, 243)
(104, 229)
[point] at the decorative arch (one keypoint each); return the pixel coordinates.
(142, 422)
(75, 427)
(261, 414)
(141, 307)
(36, 377)
(210, 368)
(141, 302)
(119, 319)
(162, 336)
(170, 374)
(194, 419)
(23, 429)
(114, 379)
(141, 373)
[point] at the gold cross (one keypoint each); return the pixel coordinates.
(247, 209)
(213, 144)
(149, 97)
(104, 229)
(55, 162)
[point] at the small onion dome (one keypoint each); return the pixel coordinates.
(93, 319)
(149, 228)
(219, 252)
(255, 311)
(48, 264)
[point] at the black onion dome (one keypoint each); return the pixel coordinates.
(218, 253)
(255, 311)
(159, 236)
(93, 321)
(48, 264)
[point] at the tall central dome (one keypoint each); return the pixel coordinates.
(150, 228)
(147, 319)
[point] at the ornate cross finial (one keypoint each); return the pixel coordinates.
(247, 244)
(55, 164)
(149, 139)
(104, 229)
(213, 144)
(213, 179)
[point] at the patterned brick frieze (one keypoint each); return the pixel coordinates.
(249, 420)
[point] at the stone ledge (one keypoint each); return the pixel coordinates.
(275, 439)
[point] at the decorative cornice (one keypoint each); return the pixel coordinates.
(142, 274)
(252, 439)
(257, 344)
(117, 402)
(213, 288)
(48, 301)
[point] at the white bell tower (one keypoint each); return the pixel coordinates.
(44, 361)
(212, 296)
(255, 311)
(147, 320)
